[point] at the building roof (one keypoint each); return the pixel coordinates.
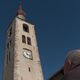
(58, 75)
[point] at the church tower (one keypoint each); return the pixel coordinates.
(22, 60)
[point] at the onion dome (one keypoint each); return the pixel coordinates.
(72, 60)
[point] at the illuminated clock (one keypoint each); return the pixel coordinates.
(27, 53)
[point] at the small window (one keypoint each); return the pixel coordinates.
(10, 32)
(8, 45)
(9, 56)
(23, 39)
(7, 59)
(28, 40)
(21, 78)
(10, 42)
(25, 28)
(29, 69)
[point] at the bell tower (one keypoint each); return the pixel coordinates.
(22, 60)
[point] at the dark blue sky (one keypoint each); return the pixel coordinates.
(57, 27)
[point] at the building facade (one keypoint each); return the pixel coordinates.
(22, 60)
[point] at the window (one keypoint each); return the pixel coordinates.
(8, 45)
(7, 59)
(25, 28)
(29, 69)
(9, 56)
(10, 32)
(23, 39)
(28, 40)
(21, 78)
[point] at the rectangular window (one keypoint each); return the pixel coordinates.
(8, 45)
(25, 28)
(29, 69)
(9, 56)
(7, 59)
(10, 42)
(21, 78)
(10, 32)
(23, 39)
(28, 40)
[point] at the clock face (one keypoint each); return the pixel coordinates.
(27, 54)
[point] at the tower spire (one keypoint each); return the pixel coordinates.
(20, 12)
